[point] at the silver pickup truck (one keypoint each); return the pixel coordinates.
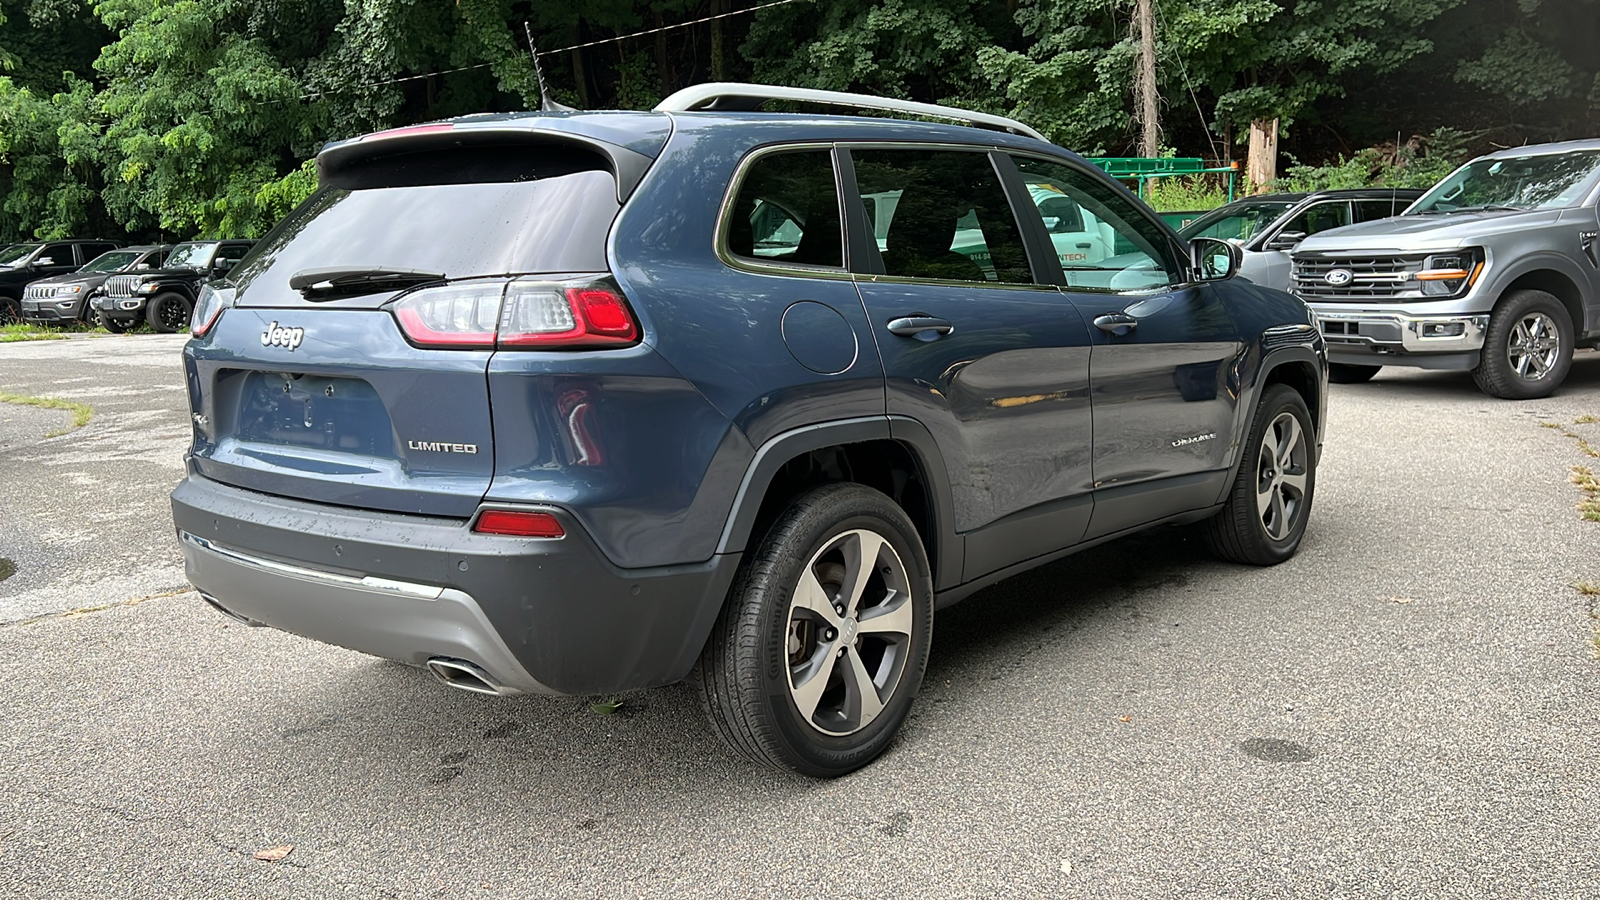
(1494, 270)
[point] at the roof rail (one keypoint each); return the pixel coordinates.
(744, 97)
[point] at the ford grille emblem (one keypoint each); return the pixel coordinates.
(1339, 277)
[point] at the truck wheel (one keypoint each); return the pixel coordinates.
(1346, 373)
(10, 311)
(1270, 501)
(821, 647)
(118, 326)
(168, 313)
(1527, 349)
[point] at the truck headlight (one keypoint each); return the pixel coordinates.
(1451, 274)
(148, 287)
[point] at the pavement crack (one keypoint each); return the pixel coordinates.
(88, 610)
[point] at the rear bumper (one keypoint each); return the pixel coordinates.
(540, 616)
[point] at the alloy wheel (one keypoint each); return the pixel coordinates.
(1281, 475)
(1533, 346)
(849, 632)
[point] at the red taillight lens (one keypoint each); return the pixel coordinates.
(518, 524)
(524, 314)
(544, 315)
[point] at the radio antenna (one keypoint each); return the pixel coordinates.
(545, 103)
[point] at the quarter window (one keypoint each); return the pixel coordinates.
(940, 214)
(1103, 241)
(787, 211)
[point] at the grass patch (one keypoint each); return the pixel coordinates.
(1585, 420)
(22, 331)
(1587, 588)
(1589, 486)
(81, 412)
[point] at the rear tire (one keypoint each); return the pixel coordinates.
(168, 313)
(789, 680)
(1270, 501)
(10, 311)
(1527, 349)
(1347, 373)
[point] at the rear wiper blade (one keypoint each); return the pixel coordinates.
(335, 281)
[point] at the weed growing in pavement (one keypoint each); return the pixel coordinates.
(1585, 420)
(24, 332)
(1589, 486)
(81, 412)
(1549, 424)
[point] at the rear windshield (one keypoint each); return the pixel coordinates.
(461, 230)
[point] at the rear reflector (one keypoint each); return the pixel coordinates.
(518, 524)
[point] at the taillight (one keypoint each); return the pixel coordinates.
(459, 316)
(518, 523)
(522, 314)
(208, 307)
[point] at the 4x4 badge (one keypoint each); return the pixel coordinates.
(282, 337)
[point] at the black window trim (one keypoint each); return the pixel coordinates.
(1283, 220)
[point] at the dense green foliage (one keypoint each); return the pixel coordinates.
(176, 118)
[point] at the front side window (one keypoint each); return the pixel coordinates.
(1319, 217)
(1117, 248)
(940, 214)
(787, 211)
(58, 254)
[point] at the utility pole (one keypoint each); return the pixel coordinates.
(1145, 81)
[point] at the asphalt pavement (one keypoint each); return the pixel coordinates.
(1406, 709)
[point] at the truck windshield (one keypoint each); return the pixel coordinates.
(190, 256)
(1236, 221)
(16, 253)
(1548, 181)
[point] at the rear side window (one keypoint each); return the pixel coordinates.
(467, 215)
(787, 211)
(1367, 210)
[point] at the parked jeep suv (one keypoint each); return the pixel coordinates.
(164, 298)
(1495, 270)
(67, 298)
(590, 402)
(24, 263)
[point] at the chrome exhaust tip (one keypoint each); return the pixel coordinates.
(465, 676)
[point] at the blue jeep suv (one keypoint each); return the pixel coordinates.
(579, 403)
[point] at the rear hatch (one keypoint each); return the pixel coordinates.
(311, 388)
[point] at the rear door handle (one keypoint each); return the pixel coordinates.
(908, 326)
(1116, 323)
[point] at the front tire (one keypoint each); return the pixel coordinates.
(1349, 373)
(814, 662)
(1527, 349)
(118, 326)
(168, 313)
(10, 311)
(1267, 507)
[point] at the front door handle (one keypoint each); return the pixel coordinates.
(1116, 323)
(909, 326)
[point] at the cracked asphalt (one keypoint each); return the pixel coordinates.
(1407, 709)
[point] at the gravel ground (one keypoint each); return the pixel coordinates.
(1406, 709)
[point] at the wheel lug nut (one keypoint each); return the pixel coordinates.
(841, 651)
(830, 634)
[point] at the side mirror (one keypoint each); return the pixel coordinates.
(43, 261)
(1286, 240)
(1214, 259)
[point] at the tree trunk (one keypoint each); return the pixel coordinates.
(717, 7)
(579, 74)
(1149, 116)
(1263, 160)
